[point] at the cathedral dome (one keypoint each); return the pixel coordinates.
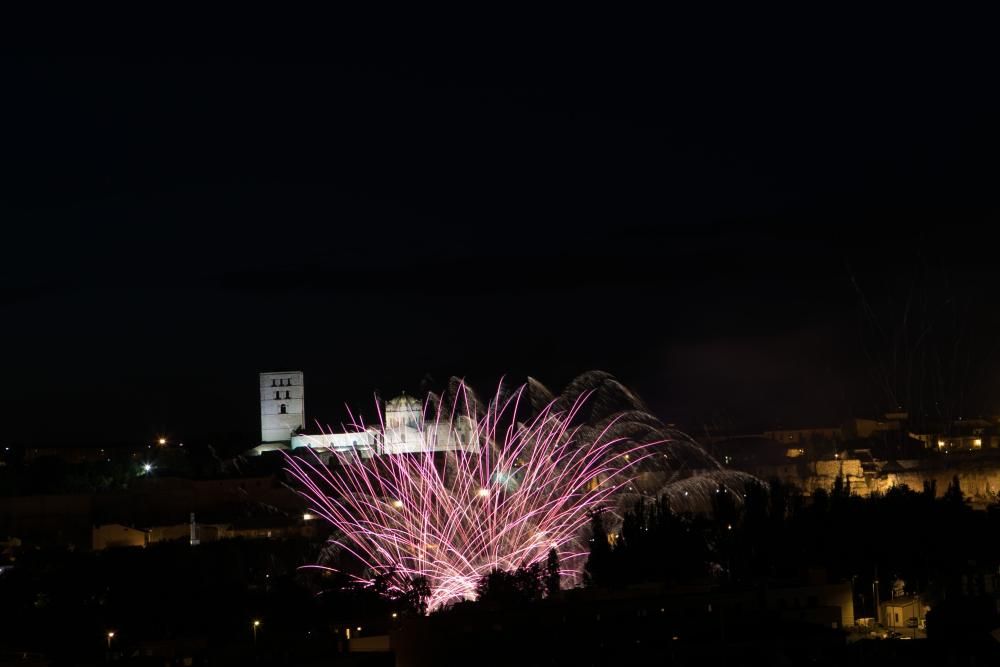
(402, 402)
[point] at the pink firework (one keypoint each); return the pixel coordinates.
(501, 495)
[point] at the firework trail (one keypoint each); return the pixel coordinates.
(511, 492)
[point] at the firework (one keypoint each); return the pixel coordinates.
(502, 500)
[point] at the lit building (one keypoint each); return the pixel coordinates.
(406, 430)
(282, 422)
(282, 405)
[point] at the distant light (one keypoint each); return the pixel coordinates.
(395, 615)
(397, 503)
(162, 441)
(483, 493)
(256, 623)
(359, 628)
(111, 634)
(308, 517)
(147, 467)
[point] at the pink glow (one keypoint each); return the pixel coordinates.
(453, 516)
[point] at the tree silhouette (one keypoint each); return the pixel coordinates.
(552, 574)
(598, 569)
(504, 588)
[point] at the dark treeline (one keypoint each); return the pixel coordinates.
(937, 546)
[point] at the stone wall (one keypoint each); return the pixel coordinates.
(979, 476)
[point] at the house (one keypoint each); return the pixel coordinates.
(903, 612)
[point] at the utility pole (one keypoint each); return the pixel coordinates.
(194, 531)
(878, 606)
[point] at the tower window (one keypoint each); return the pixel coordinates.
(284, 409)
(274, 383)
(287, 394)
(277, 395)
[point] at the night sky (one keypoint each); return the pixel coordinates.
(688, 218)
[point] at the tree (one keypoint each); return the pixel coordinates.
(597, 571)
(415, 597)
(954, 497)
(518, 587)
(552, 574)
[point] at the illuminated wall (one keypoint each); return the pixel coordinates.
(282, 405)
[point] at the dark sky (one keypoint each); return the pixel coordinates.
(687, 218)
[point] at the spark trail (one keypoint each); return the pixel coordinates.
(502, 500)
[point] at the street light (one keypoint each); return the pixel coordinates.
(255, 625)
(162, 441)
(147, 468)
(111, 635)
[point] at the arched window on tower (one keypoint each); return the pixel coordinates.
(284, 409)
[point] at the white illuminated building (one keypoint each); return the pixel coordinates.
(405, 429)
(282, 405)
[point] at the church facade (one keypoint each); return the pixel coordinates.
(405, 429)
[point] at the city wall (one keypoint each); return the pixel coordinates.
(979, 476)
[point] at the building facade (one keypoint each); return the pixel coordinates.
(404, 430)
(282, 405)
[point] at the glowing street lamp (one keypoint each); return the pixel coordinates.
(255, 625)
(147, 468)
(111, 635)
(162, 441)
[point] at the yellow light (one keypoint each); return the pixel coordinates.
(111, 635)
(483, 493)
(397, 503)
(395, 615)
(162, 441)
(359, 628)
(256, 624)
(308, 517)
